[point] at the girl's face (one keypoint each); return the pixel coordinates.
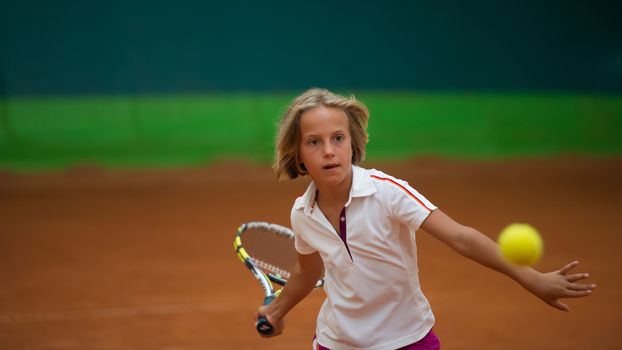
(326, 145)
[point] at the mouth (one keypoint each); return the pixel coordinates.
(330, 166)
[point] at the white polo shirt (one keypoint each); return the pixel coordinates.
(374, 300)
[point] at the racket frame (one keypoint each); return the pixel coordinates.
(266, 280)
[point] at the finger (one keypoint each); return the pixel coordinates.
(577, 293)
(581, 287)
(258, 315)
(560, 306)
(577, 277)
(564, 270)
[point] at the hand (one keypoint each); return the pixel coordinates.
(552, 286)
(277, 323)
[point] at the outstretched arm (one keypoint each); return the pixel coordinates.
(549, 287)
(302, 281)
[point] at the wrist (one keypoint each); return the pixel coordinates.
(275, 310)
(525, 276)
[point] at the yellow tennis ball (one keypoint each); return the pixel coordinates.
(521, 244)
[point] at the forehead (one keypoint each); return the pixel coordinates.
(323, 118)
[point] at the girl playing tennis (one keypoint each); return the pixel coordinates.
(357, 226)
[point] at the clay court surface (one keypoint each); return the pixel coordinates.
(139, 259)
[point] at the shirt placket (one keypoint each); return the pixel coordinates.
(343, 230)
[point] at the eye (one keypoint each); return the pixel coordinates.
(340, 138)
(313, 142)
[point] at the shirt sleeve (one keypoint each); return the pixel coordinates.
(407, 205)
(300, 244)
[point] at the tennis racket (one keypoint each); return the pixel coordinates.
(268, 251)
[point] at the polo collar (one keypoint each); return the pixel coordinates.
(362, 186)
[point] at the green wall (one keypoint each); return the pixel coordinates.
(138, 47)
(174, 130)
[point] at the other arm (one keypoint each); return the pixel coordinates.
(549, 287)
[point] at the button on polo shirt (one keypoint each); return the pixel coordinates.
(374, 300)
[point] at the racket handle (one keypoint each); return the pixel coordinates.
(263, 326)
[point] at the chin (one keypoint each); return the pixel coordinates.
(335, 178)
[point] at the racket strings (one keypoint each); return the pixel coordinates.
(266, 266)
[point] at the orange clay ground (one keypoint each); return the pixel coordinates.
(137, 259)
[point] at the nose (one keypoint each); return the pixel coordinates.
(328, 150)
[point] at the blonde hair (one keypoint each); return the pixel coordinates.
(287, 163)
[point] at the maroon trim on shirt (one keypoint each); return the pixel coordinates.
(342, 229)
(412, 195)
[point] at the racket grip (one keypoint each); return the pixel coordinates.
(263, 326)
